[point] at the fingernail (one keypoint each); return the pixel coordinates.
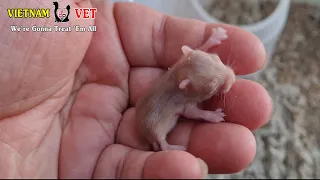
(204, 168)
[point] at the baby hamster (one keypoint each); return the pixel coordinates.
(196, 77)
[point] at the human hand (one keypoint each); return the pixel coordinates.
(56, 123)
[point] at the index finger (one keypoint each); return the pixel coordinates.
(152, 39)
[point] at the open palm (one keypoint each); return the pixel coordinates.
(67, 98)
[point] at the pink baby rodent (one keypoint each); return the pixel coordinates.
(196, 77)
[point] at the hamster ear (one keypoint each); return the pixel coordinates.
(186, 49)
(183, 84)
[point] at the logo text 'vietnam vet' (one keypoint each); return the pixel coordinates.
(28, 13)
(85, 13)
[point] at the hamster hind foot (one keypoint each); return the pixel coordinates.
(165, 146)
(162, 145)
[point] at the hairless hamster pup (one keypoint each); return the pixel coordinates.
(196, 77)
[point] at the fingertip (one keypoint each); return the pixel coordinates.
(248, 151)
(260, 106)
(173, 164)
(259, 53)
(247, 103)
(227, 148)
(265, 102)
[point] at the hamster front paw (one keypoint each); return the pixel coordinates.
(216, 37)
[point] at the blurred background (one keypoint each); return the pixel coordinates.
(289, 145)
